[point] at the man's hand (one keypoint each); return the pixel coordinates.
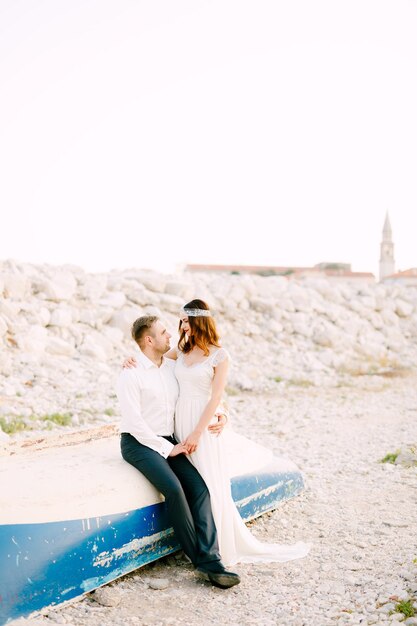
(129, 362)
(179, 448)
(217, 428)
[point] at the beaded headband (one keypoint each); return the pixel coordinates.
(196, 312)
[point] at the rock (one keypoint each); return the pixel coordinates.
(124, 319)
(403, 309)
(115, 335)
(61, 317)
(388, 317)
(61, 287)
(172, 304)
(3, 327)
(15, 285)
(107, 596)
(92, 288)
(114, 300)
(158, 583)
(58, 346)
(407, 457)
(34, 340)
(153, 281)
(302, 301)
(6, 363)
(180, 289)
(263, 305)
(4, 437)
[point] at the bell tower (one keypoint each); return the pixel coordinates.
(386, 261)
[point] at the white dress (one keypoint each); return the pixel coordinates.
(236, 542)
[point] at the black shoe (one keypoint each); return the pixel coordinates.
(219, 578)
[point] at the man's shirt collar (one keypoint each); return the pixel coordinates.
(146, 361)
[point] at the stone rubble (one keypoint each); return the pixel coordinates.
(322, 373)
(66, 331)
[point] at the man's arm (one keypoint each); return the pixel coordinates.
(128, 393)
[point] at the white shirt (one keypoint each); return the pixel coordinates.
(147, 395)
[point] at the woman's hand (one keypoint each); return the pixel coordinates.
(129, 362)
(191, 443)
(217, 427)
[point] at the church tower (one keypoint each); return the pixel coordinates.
(386, 261)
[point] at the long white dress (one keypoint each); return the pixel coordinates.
(236, 542)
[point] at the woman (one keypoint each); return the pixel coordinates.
(201, 369)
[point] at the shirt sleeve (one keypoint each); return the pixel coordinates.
(129, 396)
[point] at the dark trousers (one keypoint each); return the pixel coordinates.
(186, 495)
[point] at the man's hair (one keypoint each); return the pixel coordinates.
(142, 326)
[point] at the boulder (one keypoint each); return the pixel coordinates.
(124, 319)
(115, 335)
(15, 285)
(302, 300)
(403, 308)
(3, 327)
(9, 308)
(389, 317)
(61, 287)
(6, 363)
(271, 286)
(92, 287)
(42, 316)
(323, 335)
(58, 346)
(263, 305)
(407, 456)
(61, 317)
(376, 320)
(97, 345)
(152, 281)
(114, 300)
(301, 324)
(33, 340)
(180, 289)
(172, 304)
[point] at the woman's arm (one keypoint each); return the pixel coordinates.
(217, 389)
(172, 354)
(131, 361)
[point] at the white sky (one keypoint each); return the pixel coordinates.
(157, 133)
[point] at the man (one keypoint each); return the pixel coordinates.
(148, 394)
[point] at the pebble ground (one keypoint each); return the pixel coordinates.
(360, 516)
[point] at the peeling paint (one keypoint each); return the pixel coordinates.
(61, 560)
(136, 545)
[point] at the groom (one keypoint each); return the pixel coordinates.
(147, 395)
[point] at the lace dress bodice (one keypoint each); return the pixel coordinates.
(195, 380)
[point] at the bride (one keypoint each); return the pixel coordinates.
(201, 369)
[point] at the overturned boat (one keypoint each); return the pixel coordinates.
(75, 516)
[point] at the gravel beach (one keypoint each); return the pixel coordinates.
(322, 372)
(359, 515)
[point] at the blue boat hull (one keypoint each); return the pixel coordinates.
(48, 563)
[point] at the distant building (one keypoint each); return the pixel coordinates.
(406, 277)
(333, 271)
(386, 261)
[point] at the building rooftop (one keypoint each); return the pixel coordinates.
(342, 270)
